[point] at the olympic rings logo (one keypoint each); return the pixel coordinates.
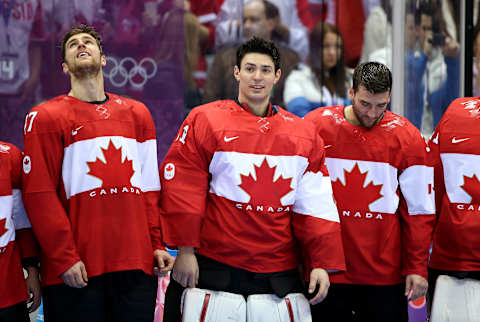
(128, 70)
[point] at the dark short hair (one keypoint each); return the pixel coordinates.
(81, 29)
(374, 76)
(260, 46)
(271, 10)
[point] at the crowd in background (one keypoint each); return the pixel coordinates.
(176, 54)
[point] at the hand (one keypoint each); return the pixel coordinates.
(185, 271)
(163, 262)
(318, 276)
(76, 276)
(416, 287)
(33, 288)
(451, 48)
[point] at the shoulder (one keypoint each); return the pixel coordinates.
(301, 71)
(326, 114)
(400, 127)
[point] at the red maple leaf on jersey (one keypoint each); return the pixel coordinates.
(3, 226)
(353, 195)
(265, 191)
(471, 186)
(113, 173)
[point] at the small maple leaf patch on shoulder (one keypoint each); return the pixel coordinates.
(114, 172)
(352, 193)
(263, 190)
(3, 226)
(471, 186)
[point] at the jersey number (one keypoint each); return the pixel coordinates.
(29, 122)
(184, 134)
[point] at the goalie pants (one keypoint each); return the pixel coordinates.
(217, 276)
(371, 303)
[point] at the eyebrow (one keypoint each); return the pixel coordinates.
(252, 64)
(77, 38)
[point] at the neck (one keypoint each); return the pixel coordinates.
(258, 108)
(350, 115)
(88, 89)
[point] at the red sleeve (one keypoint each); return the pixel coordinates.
(184, 179)
(24, 236)
(316, 223)
(152, 195)
(42, 168)
(207, 15)
(417, 206)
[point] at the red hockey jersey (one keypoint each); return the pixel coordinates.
(383, 188)
(242, 188)
(16, 238)
(91, 185)
(455, 153)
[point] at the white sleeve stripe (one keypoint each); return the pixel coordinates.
(207, 18)
(416, 184)
(150, 175)
(19, 214)
(314, 197)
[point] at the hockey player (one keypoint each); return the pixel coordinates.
(455, 153)
(17, 244)
(92, 191)
(242, 180)
(383, 188)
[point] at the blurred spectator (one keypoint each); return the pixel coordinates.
(378, 30)
(21, 37)
(432, 69)
(192, 96)
(292, 26)
(326, 81)
(476, 62)
(259, 19)
(205, 11)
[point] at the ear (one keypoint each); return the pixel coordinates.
(236, 73)
(351, 93)
(278, 74)
(65, 68)
(103, 60)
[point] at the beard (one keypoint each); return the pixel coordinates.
(372, 122)
(82, 71)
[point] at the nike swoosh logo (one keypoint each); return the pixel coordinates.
(327, 146)
(75, 132)
(455, 140)
(230, 139)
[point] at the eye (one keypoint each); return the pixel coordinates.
(250, 69)
(266, 70)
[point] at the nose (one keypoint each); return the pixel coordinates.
(257, 74)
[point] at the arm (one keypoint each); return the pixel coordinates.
(316, 223)
(294, 95)
(417, 214)
(41, 183)
(151, 191)
(28, 246)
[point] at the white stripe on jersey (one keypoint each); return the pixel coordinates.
(19, 214)
(416, 183)
(226, 168)
(6, 203)
(315, 197)
(75, 168)
(455, 167)
(380, 173)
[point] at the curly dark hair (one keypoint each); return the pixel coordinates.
(374, 76)
(81, 29)
(261, 46)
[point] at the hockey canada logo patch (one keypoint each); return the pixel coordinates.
(169, 171)
(115, 173)
(358, 197)
(472, 187)
(264, 192)
(27, 164)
